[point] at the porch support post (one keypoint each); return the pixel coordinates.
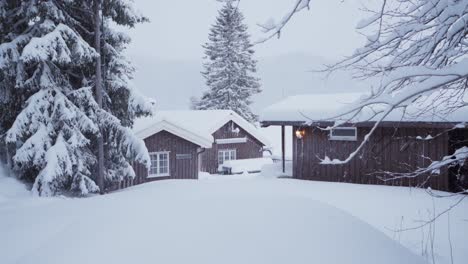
(283, 148)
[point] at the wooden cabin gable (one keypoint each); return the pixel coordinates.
(230, 137)
(232, 130)
(182, 154)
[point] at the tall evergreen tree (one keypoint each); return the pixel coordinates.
(229, 67)
(47, 64)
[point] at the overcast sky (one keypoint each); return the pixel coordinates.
(167, 52)
(179, 28)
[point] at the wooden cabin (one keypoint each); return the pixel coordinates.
(402, 143)
(182, 143)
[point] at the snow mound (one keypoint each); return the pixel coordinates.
(275, 170)
(245, 165)
(225, 221)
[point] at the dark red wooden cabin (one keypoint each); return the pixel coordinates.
(182, 143)
(396, 146)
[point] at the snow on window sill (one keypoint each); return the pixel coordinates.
(158, 175)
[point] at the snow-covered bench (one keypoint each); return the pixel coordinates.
(244, 165)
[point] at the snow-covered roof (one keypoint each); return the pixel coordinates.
(196, 126)
(309, 108)
(306, 107)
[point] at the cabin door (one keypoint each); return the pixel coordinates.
(185, 166)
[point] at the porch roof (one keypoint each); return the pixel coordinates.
(326, 109)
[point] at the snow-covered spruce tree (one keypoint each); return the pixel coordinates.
(48, 61)
(229, 67)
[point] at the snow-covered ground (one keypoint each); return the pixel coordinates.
(11, 190)
(226, 220)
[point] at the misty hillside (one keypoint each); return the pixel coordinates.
(172, 83)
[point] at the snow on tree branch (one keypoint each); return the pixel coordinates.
(10, 51)
(58, 165)
(122, 138)
(272, 28)
(123, 12)
(131, 147)
(457, 158)
(61, 46)
(51, 134)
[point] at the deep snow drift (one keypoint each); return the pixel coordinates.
(226, 220)
(11, 190)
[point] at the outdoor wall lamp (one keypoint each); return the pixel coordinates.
(300, 133)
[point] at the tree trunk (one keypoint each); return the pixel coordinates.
(98, 83)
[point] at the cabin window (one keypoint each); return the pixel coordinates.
(344, 133)
(226, 154)
(159, 164)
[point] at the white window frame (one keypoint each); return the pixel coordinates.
(231, 153)
(155, 164)
(343, 138)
